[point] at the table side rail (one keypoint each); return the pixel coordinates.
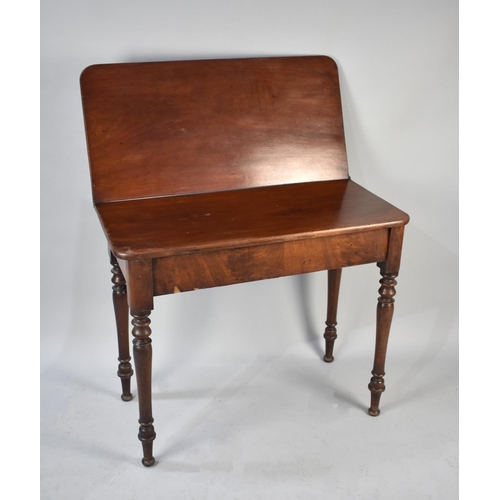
(180, 273)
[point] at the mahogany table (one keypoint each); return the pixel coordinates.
(214, 172)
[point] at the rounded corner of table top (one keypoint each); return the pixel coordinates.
(88, 73)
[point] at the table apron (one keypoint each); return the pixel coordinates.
(181, 273)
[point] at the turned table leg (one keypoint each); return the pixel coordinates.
(330, 334)
(120, 304)
(385, 311)
(143, 367)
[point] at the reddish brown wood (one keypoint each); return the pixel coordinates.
(120, 304)
(210, 173)
(385, 311)
(330, 335)
(143, 364)
(391, 264)
(198, 126)
(157, 227)
(139, 277)
(181, 273)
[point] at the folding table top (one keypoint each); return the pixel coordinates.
(158, 227)
(164, 128)
(199, 155)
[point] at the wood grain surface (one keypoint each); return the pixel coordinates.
(156, 129)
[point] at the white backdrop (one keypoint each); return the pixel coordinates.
(398, 63)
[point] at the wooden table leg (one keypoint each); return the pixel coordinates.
(385, 311)
(330, 334)
(143, 366)
(120, 304)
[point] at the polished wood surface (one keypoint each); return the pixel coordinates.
(385, 312)
(156, 129)
(181, 273)
(211, 173)
(143, 354)
(330, 335)
(157, 227)
(120, 304)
